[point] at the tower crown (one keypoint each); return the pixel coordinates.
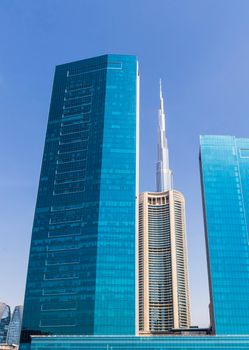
(163, 173)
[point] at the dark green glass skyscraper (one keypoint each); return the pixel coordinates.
(81, 273)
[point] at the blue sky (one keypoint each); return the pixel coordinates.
(199, 48)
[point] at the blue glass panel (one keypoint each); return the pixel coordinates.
(115, 275)
(225, 174)
(142, 343)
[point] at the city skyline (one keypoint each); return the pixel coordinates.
(224, 170)
(205, 75)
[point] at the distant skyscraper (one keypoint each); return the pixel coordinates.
(14, 330)
(164, 180)
(5, 316)
(163, 273)
(81, 274)
(224, 163)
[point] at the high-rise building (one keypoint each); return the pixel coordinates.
(224, 163)
(5, 316)
(81, 273)
(163, 273)
(163, 277)
(164, 179)
(14, 331)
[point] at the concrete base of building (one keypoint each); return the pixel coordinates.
(8, 347)
(226, 342)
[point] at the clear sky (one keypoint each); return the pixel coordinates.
(199, 48)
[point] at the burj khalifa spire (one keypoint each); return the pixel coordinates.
(164, 180)
(163, 292)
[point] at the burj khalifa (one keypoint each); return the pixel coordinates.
(163, 287)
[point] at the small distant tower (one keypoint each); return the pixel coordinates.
(163, 272)
(5, 316)
(14, 331)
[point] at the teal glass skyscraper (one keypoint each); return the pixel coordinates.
(81, 273)
(224, 162)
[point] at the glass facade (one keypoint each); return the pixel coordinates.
(141, 343)
(81, 273)
(14, 330)
(5, 316)
(224, 162)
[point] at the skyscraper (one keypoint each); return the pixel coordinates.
(164, 180)
(14, 331)
(163, 273)
(224, 163)
(81, 273)
(5, 316)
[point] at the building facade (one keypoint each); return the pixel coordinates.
(163, 273)
(142, 343)
(81, 273)
(14, 331)
(5, 316)
(224, 164)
